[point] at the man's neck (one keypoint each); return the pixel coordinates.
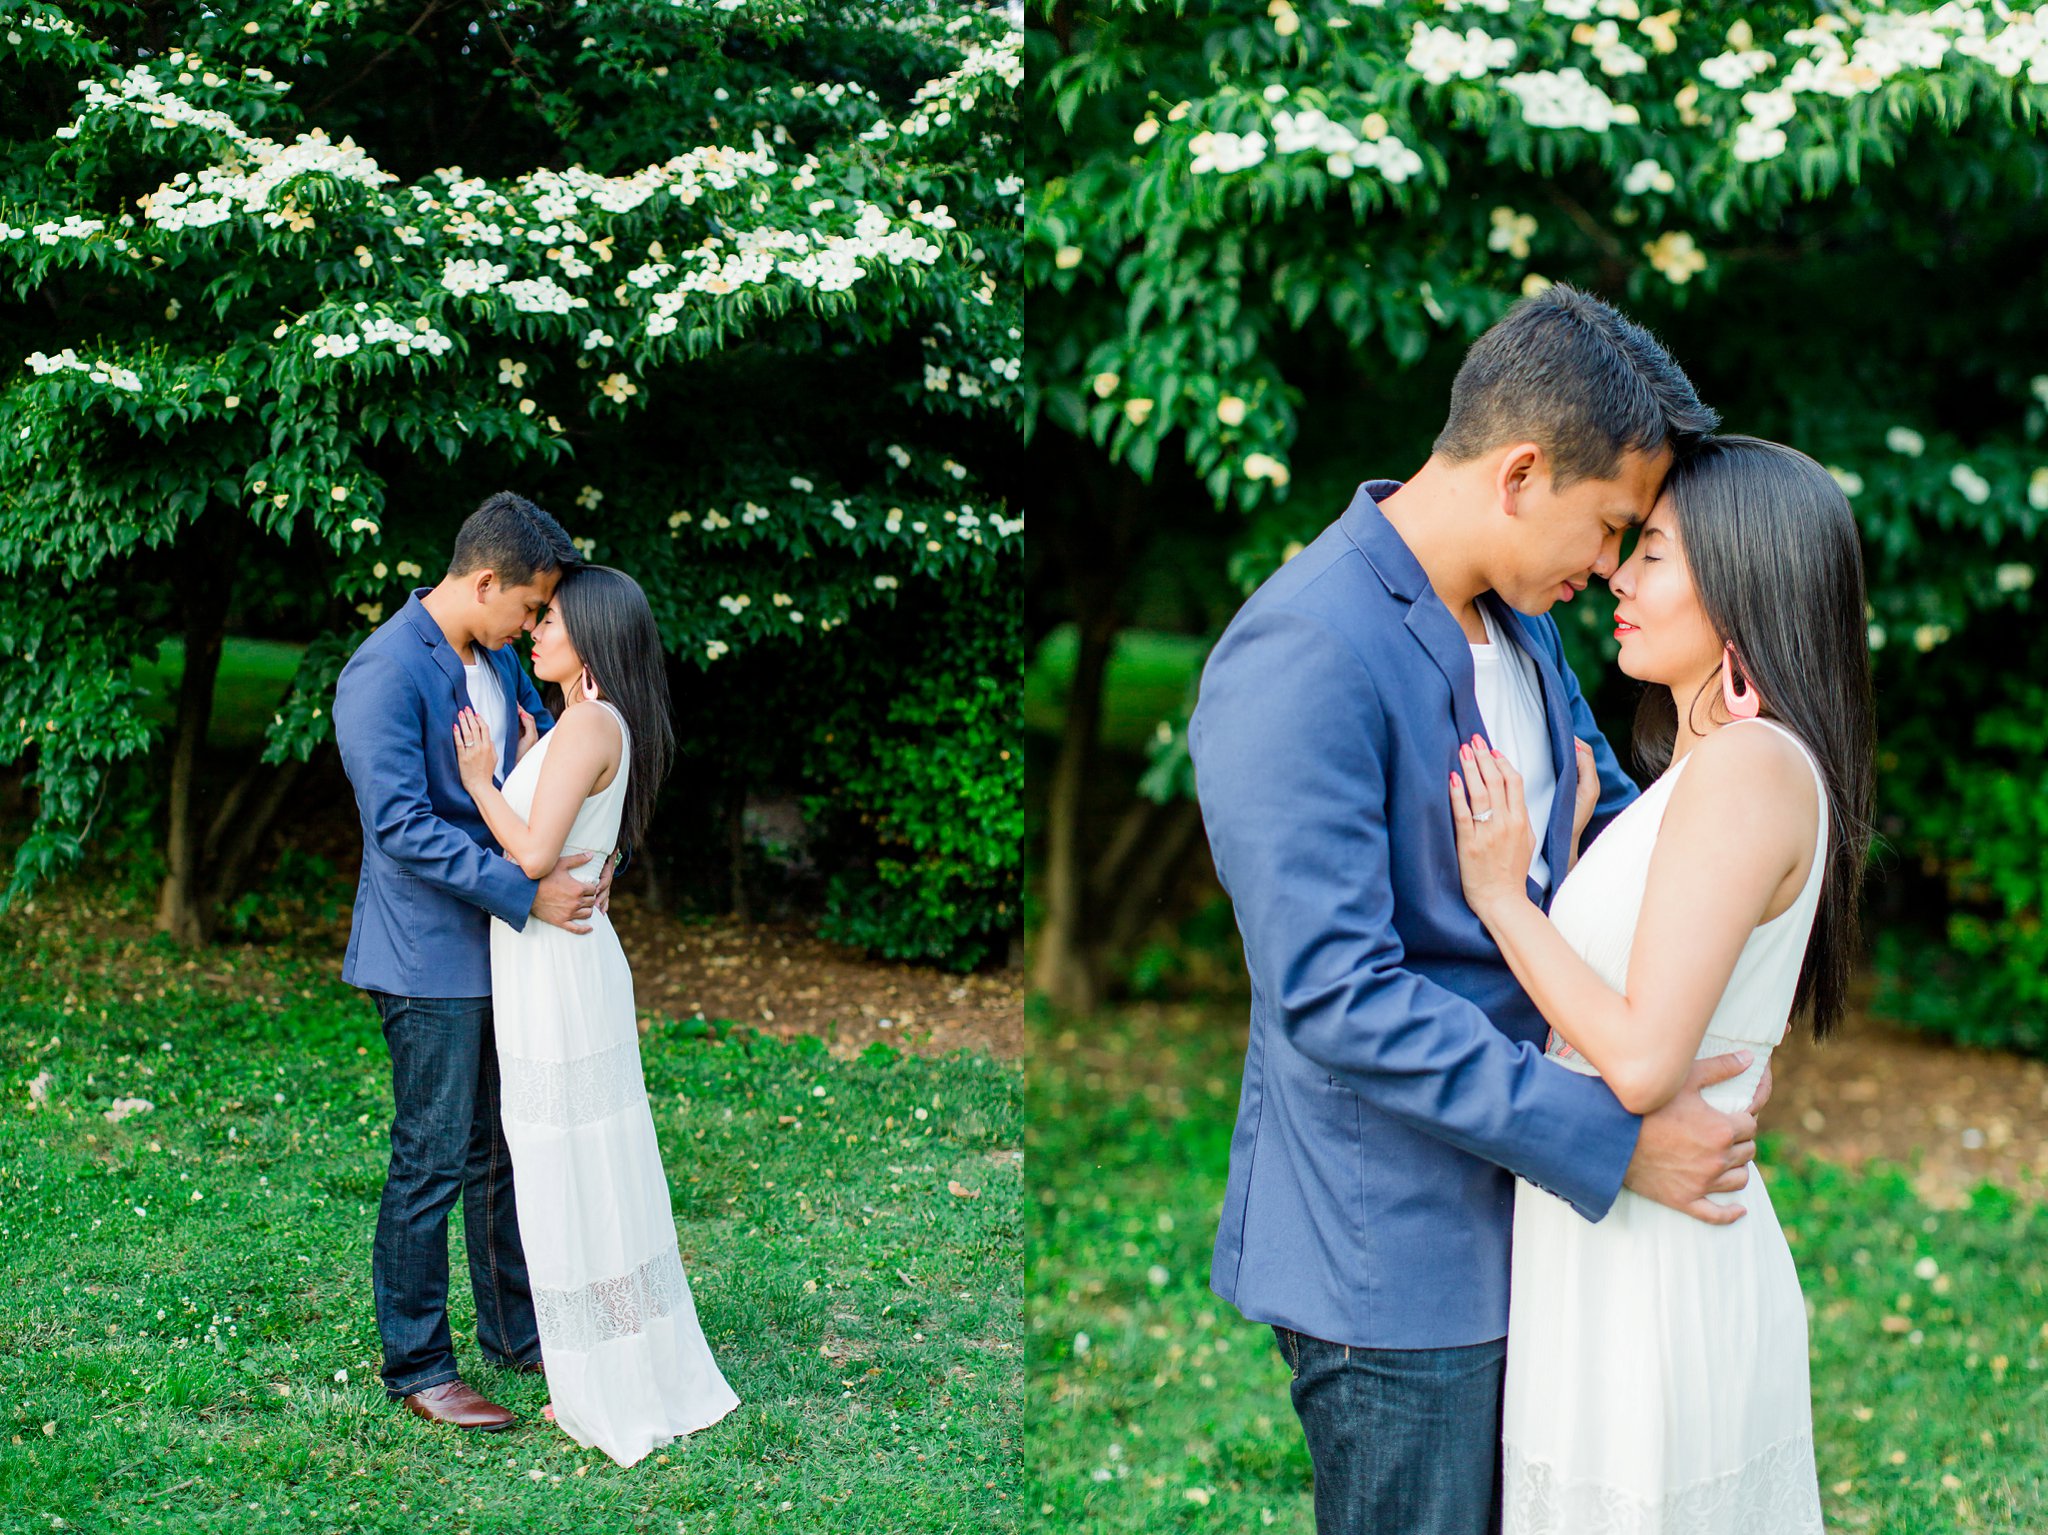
(443, 603)
(1425, 513)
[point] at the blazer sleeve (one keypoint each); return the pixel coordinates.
(380, 727)
(1287, 740)
(1617, 790)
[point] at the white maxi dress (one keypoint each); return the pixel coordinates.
(1657, 1366)
(628, 1367)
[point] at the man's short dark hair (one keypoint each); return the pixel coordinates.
(1570, 374)
(510, 535)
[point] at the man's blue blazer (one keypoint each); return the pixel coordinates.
(1394, 1081)
(433, 875)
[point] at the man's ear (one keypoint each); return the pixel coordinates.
(1519, 466)
(484, 583)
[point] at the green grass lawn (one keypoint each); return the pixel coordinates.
(187, 1341)
(1149, 676)
(1154, 1407)
(254, 676)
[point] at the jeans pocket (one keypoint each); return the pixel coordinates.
(1290, 1349)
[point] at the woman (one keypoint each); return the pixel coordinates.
(627, 1365)
(1657, 1365)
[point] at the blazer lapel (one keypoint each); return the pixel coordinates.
(1445, 643)
(1428, 619)
(451, 664)
(1439, 634)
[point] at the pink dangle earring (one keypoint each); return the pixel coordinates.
(589, 685)
(1746, 703)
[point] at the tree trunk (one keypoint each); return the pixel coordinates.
(227, 876)
(1064, 964)
(183, 909)
(1093, 547)
(736, 851)
(653, 882)
(207, 858)
(1141, 892)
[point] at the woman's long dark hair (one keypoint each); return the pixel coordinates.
(613, 629)
(1774, 555)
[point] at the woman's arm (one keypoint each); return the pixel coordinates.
(586, 742)
(1739, 825)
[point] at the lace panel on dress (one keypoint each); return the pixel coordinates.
(579, 1092)
(578, 1320)
(1774, 1491)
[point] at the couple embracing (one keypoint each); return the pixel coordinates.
(1511, 1021)
(482, 933)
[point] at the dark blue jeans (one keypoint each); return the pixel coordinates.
(446, 1139)
(1404, 1441)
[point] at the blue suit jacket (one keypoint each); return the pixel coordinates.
(1395, 1078)
(433, 875)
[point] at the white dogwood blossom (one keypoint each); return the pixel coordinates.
(1226, 152)
(1841, 58)
(1614, 56)
(1732, 71)
(542, 295)
(1371, 148)
(1565, 98)
(1647, 176)
(249, 181)
(461, 277)
(99, 372)
(1441, 54)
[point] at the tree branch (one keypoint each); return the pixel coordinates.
(365, 72)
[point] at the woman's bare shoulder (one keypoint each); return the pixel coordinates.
(1755, 774)
(590, 726)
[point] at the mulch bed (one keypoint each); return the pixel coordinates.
(1957, 1117)
(783, 980)
(776, 977)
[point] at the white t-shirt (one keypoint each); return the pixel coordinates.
(488, 699)
(1511, 707)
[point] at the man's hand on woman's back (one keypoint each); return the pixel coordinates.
(563, 899)
(1688, 1149)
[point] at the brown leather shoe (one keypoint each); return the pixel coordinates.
(454, 1403)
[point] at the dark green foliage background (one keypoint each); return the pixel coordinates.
(808, 402)
(1884, 272)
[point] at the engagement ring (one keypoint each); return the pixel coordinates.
(1484, 815)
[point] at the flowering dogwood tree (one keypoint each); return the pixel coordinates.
(1270, 228)
(724, 284)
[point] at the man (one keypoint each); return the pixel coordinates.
(1395, 1081)
(432, 879)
